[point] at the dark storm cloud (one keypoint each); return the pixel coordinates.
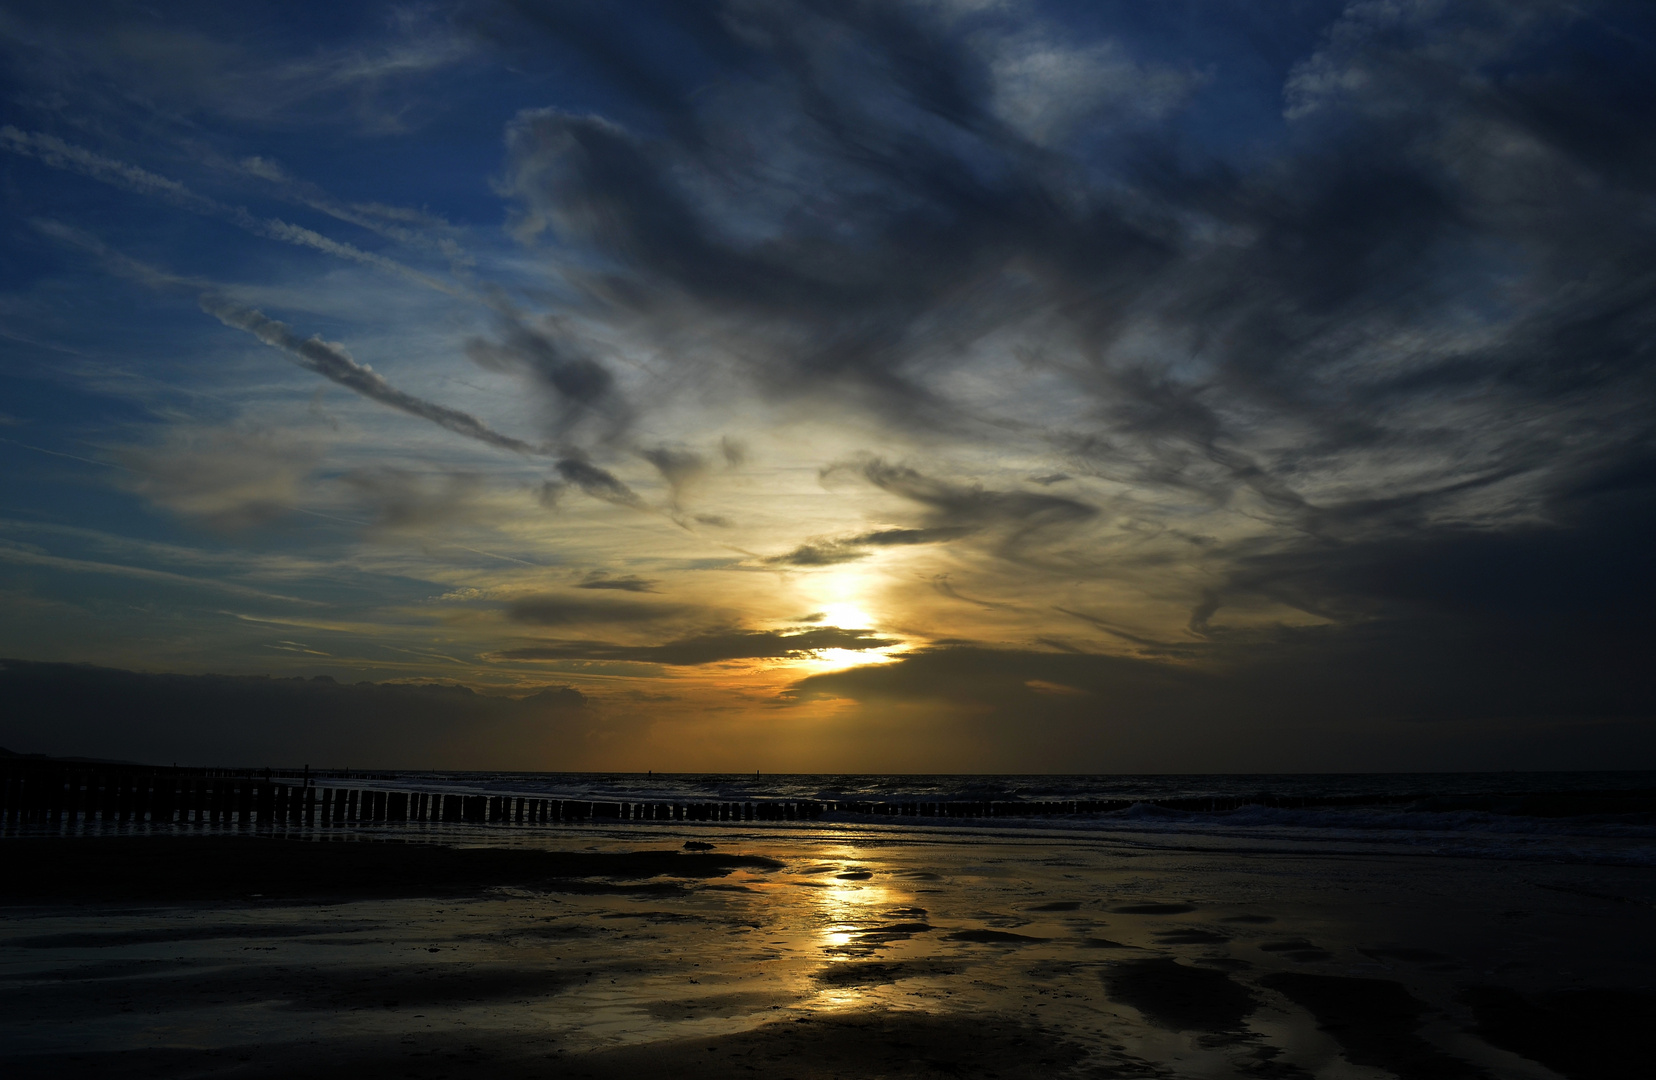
(255, 721)
(711, 648)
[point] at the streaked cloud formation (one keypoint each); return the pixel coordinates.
(899, 385)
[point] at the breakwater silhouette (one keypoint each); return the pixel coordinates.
(49, 795)
(53, 793)
(34, 793)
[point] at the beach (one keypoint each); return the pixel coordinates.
(850, 949)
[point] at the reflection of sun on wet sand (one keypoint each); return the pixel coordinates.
(813, 954)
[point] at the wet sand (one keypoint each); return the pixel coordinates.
(856, 952)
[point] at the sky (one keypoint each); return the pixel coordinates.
(800, 385)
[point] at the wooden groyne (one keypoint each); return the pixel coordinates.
(83, 795)
(51, 793)
(60, 794)
(44, 793)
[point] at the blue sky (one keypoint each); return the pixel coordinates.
(945, 384)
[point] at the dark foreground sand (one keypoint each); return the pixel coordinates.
(871, 953)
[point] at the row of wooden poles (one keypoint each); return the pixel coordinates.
(58, 796)
(116, 798)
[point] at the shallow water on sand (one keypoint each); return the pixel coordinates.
(1049, 953)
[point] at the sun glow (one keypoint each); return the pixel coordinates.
(835, 659)
(846, 617)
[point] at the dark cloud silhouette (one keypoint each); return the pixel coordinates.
(734, 451)
(332, 362)
(1258, 331)
(680, 468)
(824, 554)
(555, 360)
(598, 483)
(1015, 523)
(401, 499)
(710, 648)
(161, 719)
(1421, 694)
(851, 548)
(1582, 572)
(942, 585)
(551, 609)
(625, 583)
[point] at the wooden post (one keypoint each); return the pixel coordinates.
(67, 789)
(52, 790)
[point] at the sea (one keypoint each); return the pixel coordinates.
(1598, 818)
